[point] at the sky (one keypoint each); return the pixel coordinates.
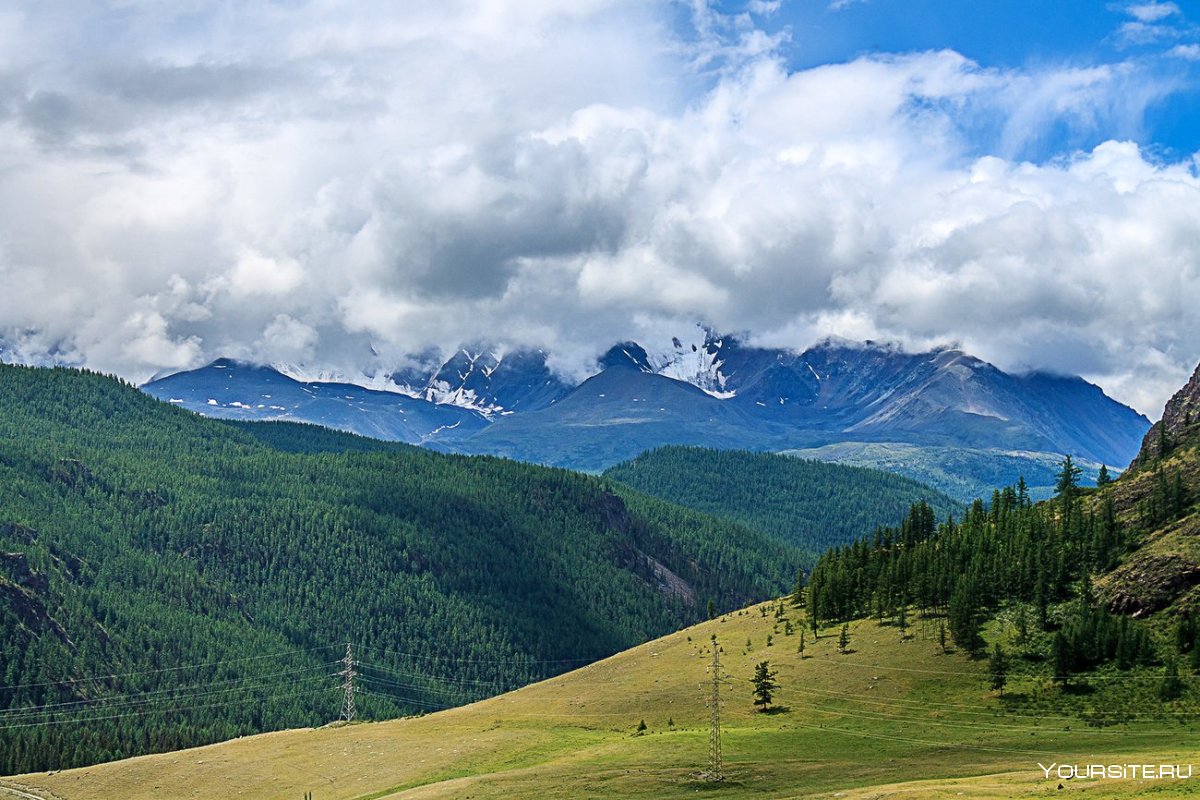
(346, 184)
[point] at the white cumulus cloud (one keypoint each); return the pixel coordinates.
(346, 185)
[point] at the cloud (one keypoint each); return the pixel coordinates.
(1190, 52)
(1152, 11)
(763, 7)
(1153, 22)
(347, 186)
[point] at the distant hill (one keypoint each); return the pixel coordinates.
(962, 473)
(167, 580)
(808, 504)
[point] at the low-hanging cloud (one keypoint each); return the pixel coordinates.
(349, 184)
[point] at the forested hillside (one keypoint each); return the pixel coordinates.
(810, 504)
(1075, 570)
(167, 580)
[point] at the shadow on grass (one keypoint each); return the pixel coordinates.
(1013, 699)
(1081, 689)
(776, 710)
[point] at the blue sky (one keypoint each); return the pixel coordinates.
(344, 183)
(1156, 38)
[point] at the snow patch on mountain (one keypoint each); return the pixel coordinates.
(697, 362)
(378, 381)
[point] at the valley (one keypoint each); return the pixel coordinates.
(511, 400)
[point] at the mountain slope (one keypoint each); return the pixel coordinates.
(893, 718)
(147, 550)
(1081, 686)
(612, 416)
(1158, 494)
(835, 392)
(808, 504)
(229, 389)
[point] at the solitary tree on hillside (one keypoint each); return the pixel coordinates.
(764, 684)
(844, 639)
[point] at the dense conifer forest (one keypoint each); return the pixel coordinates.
(1009, 551)
(810, 504)
(168, 580)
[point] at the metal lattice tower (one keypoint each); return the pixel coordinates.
(715, 772)
(348, 674)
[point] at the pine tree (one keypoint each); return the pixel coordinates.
(765, 685)
(1171, 687)
(800, 647)
(813, 620)
(1066, 488)
(1185, 632)
(964, 617)
(998, 669)
(1103, 478)
(1164, 440)
(1060, 655)
(844, 639)
(942, 637)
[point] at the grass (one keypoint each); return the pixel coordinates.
(892, 718)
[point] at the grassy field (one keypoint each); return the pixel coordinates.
(892, 718)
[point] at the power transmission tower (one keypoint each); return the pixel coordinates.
(348, 674)
(715, 772)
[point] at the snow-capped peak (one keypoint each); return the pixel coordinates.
(697, 362)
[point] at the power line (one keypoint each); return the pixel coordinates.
(164, 669)
(460, 660)
(397, 671)
(715, 771)
(877, 716)
(1083, 676)
(172, 693)
(909, 740)
(348, 674)
(144, 712)
(974, 709)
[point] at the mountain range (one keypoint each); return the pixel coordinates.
(718, 392)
